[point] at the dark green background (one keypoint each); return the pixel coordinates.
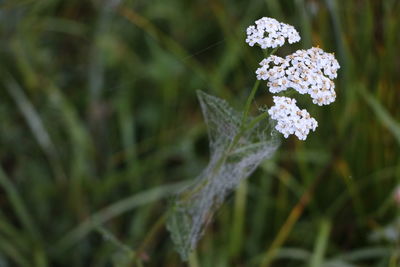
(100, 125)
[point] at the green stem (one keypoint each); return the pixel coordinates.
(256, 120)
(266, 54)
(252, 94)
(193, 260)
(239, 211)
(248, 102)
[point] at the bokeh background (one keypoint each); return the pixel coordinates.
(100, 125)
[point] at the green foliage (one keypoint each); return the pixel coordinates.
(100, 125)
(238, 144)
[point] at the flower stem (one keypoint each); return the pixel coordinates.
(252, 94)
(248, 103)
(256, 120)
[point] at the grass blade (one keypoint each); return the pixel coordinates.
(383, 115)
(115, 210)
(317, 258)
(18, 205)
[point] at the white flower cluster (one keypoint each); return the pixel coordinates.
(270, 33)
(306, 71)
(291, 119)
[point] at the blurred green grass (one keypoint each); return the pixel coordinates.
(100, 125)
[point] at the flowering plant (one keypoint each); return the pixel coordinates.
(239, 142)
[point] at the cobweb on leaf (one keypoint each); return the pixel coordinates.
(194, 206)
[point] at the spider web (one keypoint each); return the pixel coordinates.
(194, 206)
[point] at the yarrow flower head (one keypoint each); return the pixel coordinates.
(290, 118)
(306, 71)
(270, 33)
